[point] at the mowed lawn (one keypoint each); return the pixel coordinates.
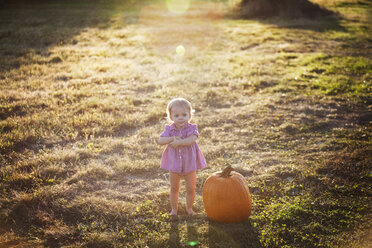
(285, 101)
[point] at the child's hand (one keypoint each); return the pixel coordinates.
(176, 141)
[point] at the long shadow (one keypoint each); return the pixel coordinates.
(33, 27)
(29, 29)
(192, 239)
(299, 14)
(242, 235)
(174, 235)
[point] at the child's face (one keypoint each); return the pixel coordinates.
(180, 116)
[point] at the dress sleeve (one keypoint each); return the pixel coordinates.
(166, 132)
(193, 130)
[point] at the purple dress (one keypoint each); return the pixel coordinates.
(183, 159)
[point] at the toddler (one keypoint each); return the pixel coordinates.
(182, 156)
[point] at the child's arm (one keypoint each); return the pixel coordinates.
(164, 140)
(167, 140)
(184, 142)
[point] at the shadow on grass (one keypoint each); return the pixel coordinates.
(320, 24)
(192, 239)
(233, 235)
(28, 29)
(298, 14)
(217, 235)
(174, 235)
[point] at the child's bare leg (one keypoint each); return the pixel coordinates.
(174, 191)
(190, 181)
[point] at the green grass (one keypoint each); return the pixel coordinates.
(83, 91)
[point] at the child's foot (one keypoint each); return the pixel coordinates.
(190, 212)
(173, 215)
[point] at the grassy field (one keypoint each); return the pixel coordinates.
(83, 91)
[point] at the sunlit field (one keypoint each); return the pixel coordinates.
(285, 101)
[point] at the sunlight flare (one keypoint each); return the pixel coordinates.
(180, 50)
(193, 243)
(196, 28)
(178, 6)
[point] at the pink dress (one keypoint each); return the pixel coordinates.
(183, 159)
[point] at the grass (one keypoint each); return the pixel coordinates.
(84, 87)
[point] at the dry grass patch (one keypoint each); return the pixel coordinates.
(82, 100)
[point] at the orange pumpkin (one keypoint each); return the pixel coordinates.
(226, 197)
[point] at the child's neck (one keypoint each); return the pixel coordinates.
(179, 127)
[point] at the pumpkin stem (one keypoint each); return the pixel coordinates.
(226, 172)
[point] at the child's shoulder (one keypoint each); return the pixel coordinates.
(169, 126)
(192, 126)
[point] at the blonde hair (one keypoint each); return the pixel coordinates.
(179, 102)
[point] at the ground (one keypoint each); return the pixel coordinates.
(84, 87)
